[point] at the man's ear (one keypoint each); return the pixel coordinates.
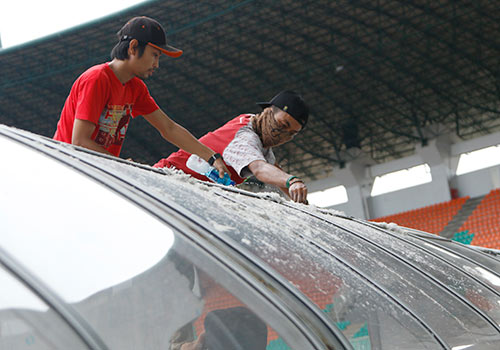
(132, 47)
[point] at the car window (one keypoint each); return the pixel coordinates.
(434, 262)
(375, 297)
(430, 304)
(281, 238)
(367, 318)
(174, 303)
(473, 262)
(27, 323)
(482, 259)
(128, 274)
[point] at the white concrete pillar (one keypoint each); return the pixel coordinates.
(437, 155)
(358, 185)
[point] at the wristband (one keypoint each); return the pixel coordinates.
(213, 157)
(293, 182)
(290, 179)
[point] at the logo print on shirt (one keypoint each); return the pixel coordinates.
(113, 125)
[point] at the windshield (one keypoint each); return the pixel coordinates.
(132, 277)
(374, 296)
(366, 316)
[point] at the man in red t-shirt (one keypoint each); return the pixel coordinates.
(246, 144)
(104, 98)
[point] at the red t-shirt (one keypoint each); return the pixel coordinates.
(99, 97)
(217, 140)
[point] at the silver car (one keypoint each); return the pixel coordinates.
(102, 253)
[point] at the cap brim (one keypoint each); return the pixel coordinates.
(264, 104)
(168, 50)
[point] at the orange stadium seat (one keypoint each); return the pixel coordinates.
(431, 218)
(483, 223)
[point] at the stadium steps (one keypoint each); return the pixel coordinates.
(484, 222)
(460, 218)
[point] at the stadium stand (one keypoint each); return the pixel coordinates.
(484, 222)
(481, 228)
(463, 237)
(432, 218)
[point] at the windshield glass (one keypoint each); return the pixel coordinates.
(131, 276)
(27, 323)
(366, 316)
(445, 267)
(375, 298)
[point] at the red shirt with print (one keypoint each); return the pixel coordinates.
(217, 141)
(99, 97)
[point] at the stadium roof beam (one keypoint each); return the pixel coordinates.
(430, 34)
(391, 69)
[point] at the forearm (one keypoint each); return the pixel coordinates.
(177, 135)
(275, 176)
(182, 138)
(91, 144)
(269, 174)
(292, 186)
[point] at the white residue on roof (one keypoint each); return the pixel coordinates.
(390, 226)
(246, 241)
(179, 175)
(219, 227)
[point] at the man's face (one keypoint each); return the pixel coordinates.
(285, 126)
(144, 66)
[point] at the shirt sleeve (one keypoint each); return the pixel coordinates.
(245, 148)
(93, 94)
(144, 103)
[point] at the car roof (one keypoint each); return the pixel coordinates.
(325, 255)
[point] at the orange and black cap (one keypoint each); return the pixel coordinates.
(149, 31)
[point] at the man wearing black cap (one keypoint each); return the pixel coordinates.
(246, 144)
(105, 97)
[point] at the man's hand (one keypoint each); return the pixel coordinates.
(298, 192)
(221, 167)
(273, 175)
(195, 345)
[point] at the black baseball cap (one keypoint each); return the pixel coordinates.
(290, 102)
(147, 30)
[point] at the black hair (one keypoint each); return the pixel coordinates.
(120, 51)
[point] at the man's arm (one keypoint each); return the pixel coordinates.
(179, 136)
(273, 175)
(82, 136)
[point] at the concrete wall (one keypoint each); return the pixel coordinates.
(407, 199)
(477, 183)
